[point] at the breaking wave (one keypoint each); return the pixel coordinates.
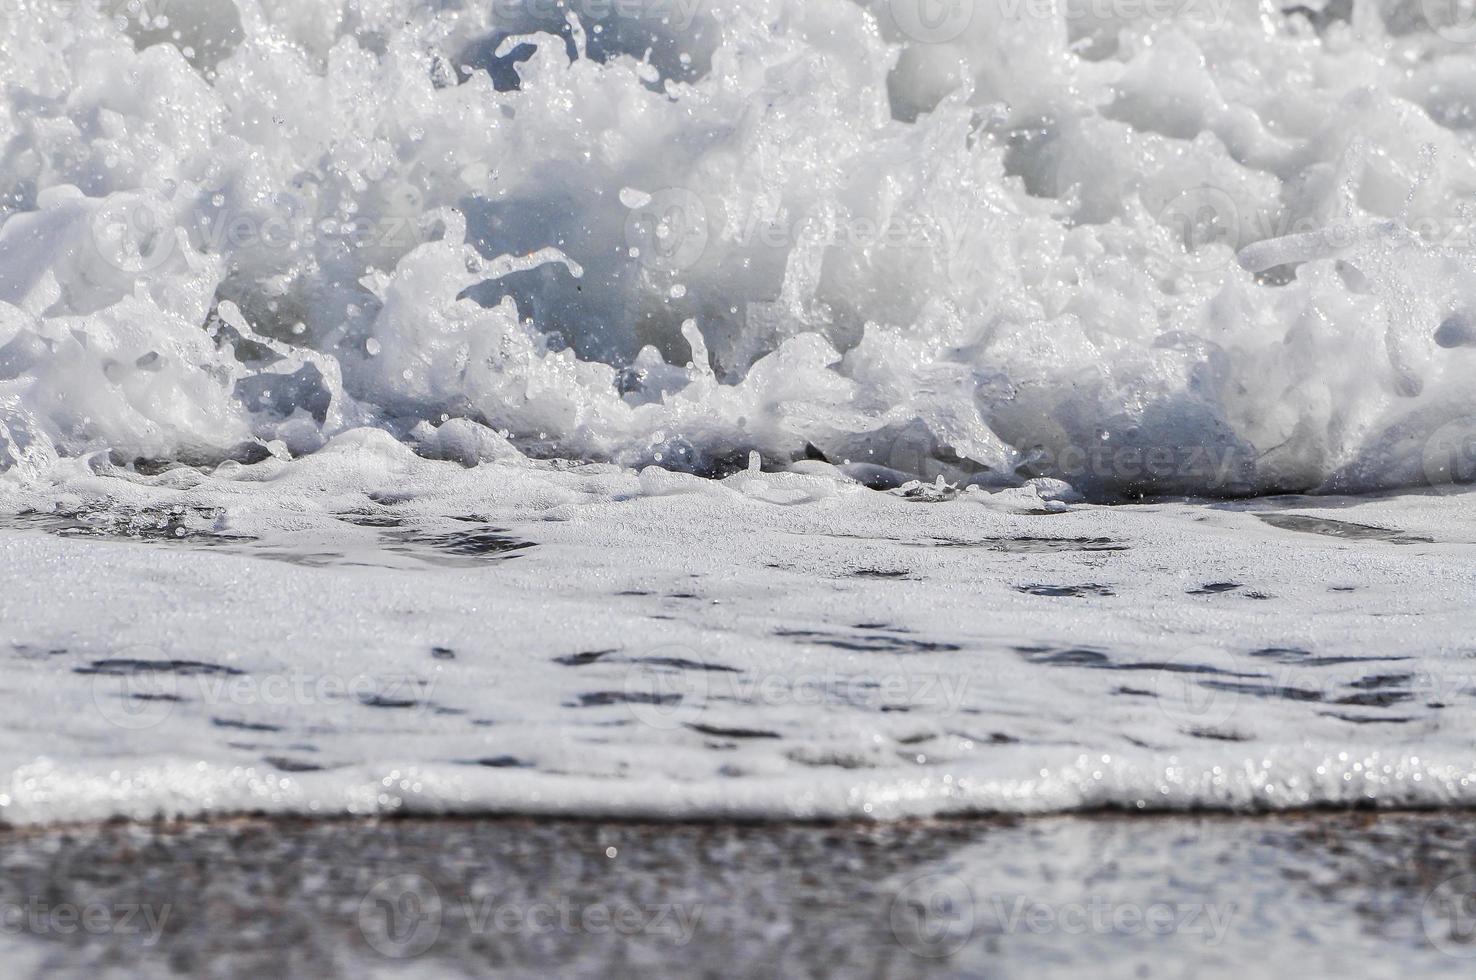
(1191, 246)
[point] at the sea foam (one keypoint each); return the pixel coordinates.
(1200, 246)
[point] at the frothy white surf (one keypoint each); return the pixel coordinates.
(366, 631)
(1201, 246)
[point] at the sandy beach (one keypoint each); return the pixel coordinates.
(1366, 894)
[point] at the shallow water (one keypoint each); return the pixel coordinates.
(529, 637)
(357, 361)
(1347, 895)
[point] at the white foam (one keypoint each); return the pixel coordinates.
(537, 637)
(950, 247)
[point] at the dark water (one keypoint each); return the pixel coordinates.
(1387, 894)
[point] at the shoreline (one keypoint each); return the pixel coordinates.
(1368, 893)
(227, 819)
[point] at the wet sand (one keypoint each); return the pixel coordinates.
(1360, 894)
